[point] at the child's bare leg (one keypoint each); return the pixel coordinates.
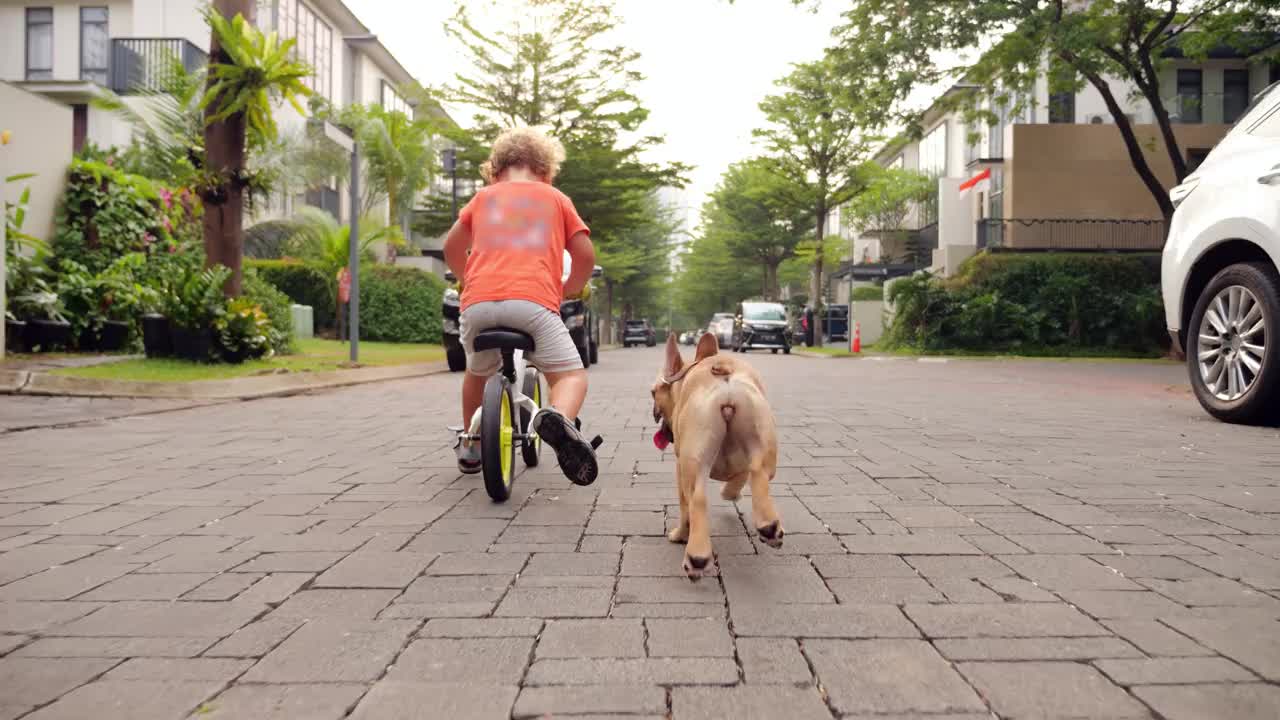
(472, 396)
(568, 391)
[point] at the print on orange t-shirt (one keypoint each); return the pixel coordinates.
(518, 234)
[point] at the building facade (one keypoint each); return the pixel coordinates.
(68, 52)
(1056, 175)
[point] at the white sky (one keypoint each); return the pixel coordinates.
(707, 64)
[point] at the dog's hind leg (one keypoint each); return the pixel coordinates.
(764, 515)
(732, 489)
(697, 553)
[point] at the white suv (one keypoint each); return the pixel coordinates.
(1219, 271)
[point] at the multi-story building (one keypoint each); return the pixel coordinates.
(67, 52)
(1055, 175)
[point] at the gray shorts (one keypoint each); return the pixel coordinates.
(554, 351)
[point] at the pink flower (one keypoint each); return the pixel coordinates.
(166, 197)
(173, 249)
(111, 161)
(148, 238)
(168, 226)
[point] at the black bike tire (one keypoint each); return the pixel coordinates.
(496, 391)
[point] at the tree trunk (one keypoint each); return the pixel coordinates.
(816, 277)
(1151, 90)
(225, 149)
(1136, 156)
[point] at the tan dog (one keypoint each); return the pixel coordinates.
(715, 412)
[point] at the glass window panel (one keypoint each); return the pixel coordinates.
(39, 43)
(1235, 94)
(1190, 95)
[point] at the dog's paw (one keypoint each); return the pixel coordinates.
(679, 534)
(771, 534)
(696, 567)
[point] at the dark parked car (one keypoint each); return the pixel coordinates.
(837, 322)
(761, 325)
(639, 332)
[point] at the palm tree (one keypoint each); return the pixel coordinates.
(315, 237)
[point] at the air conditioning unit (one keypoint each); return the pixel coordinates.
(1097, 119)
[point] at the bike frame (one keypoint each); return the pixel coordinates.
(522, 402)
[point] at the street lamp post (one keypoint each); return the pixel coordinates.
(353, 239)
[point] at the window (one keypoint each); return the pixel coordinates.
(933, 152)
(314, 43)
(94, 44)
(40, 43)
(391, 100)
(1062, 107)
(1190, 95)
(996, 196)
(1235, 94)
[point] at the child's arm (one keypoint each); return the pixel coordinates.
(583, 254)
(456, 246)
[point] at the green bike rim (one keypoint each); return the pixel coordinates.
(507, 441)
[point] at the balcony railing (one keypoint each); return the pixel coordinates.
(147, 64)
(1059, 234)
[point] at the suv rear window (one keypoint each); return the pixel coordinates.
(638, 324)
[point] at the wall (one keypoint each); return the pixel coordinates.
(32, 120)
(168, 19)
(66, 35)
(955, 214)
(1083, 171)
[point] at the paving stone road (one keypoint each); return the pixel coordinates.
(964, 540)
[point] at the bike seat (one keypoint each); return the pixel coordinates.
(503, 339)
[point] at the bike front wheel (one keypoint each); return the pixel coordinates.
(531, 447)
(497, 438)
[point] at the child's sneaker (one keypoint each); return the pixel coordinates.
(577, 457)
(468, 457)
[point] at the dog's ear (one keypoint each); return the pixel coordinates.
(673, 361)
(707, 347)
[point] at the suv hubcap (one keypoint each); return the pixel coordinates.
(1231, 344)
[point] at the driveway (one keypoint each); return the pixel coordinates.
(964, 538)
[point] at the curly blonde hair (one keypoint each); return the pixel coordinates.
(527, 148)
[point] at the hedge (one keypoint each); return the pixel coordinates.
(304, 284)
(400, 304)
(868, 293)
(1033, 302)
(276, 304)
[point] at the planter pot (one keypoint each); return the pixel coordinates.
(88, 340)
(195, 344)
(46, 335)
(15, 334)
(156, 340)
(112, 336)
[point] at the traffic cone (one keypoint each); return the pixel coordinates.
(857, 337)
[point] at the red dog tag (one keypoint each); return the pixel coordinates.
(660, 440)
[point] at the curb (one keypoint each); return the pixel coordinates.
(247, 388)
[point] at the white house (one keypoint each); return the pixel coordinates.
(1059, 174)
(67, 52)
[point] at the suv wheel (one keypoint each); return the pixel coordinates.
(456, 357)
(594, 353)
(1233, 348)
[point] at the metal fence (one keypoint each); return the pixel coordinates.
(1060, 234)
(142, 64)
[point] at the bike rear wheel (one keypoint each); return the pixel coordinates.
(497, 438)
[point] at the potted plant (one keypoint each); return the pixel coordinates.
(47, 326)
(193, 307)
(119, 298)
(15, 332)
(243, 331)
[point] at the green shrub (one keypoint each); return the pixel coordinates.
(1011, 301)
(104, 214)
(303, 284)
(243, 331)
(276, 305)
(399, 304)
(868, 293)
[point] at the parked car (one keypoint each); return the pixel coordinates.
(1219, 271)
(577, 314)
(721, 326)
(761, 325)
(638, 332)
(837, 325)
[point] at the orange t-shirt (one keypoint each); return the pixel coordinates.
(518, 234)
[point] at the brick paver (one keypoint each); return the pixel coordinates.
(964, 539)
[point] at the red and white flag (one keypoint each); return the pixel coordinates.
(981, 181)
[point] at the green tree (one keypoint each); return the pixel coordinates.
(887, 200)
(399, 153)
(712, 280)
(887, 48)
(551, 64)
(748, 213)
(249, 71)
(816, 144)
